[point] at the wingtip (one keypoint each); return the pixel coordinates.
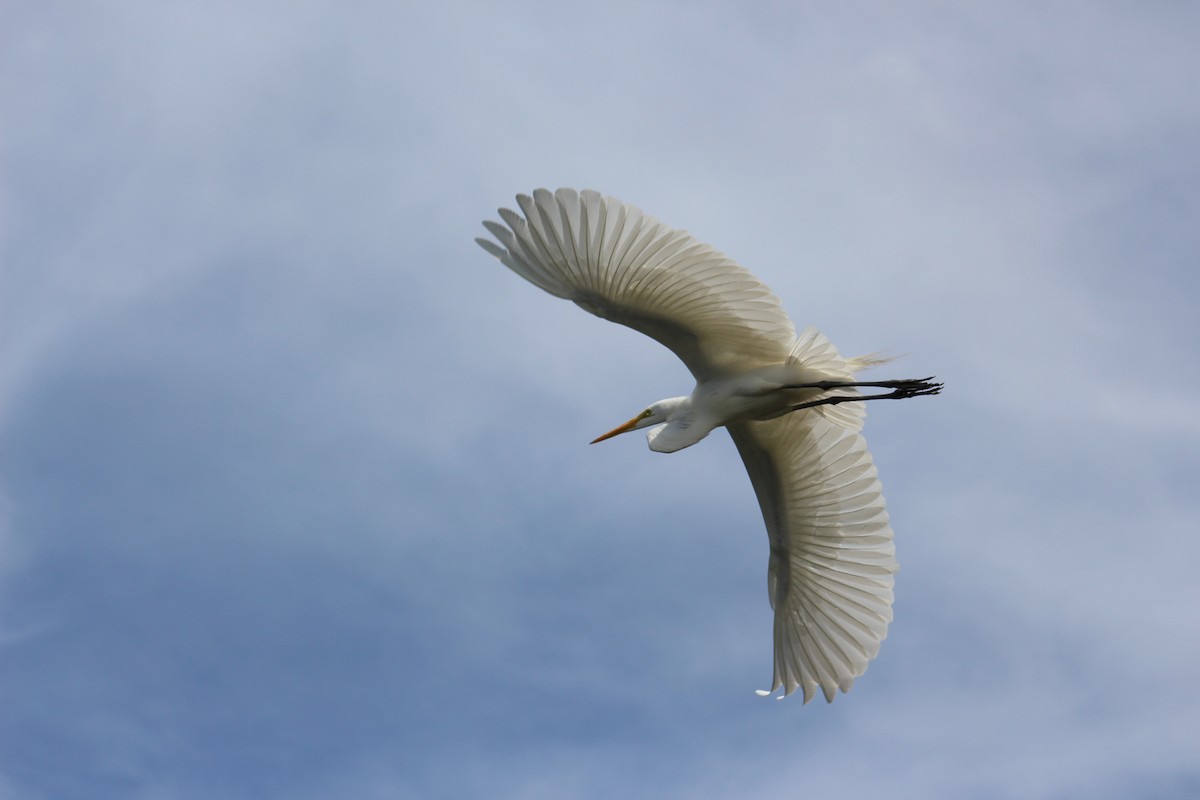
(491, 247)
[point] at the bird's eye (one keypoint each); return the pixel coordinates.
(646, 413)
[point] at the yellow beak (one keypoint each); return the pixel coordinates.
(628, 426)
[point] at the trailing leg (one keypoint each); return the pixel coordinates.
(918, 386)
(901, 390)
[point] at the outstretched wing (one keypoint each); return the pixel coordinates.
(625, 266)
(832, 556)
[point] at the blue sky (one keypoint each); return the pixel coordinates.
(295, 495)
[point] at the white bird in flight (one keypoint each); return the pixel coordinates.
(790, 403)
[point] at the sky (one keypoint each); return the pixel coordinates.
(296, 499)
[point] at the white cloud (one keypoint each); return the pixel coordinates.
(275, 430)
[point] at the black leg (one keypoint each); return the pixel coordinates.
(905, 384)
(901, 389)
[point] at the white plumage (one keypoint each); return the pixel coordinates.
(790, 403)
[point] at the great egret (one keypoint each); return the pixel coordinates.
(789, 402)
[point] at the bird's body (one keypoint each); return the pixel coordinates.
(790, 403)
(758, 394)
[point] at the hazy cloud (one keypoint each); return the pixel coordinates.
(294, 492)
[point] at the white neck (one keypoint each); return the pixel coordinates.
(683, 428)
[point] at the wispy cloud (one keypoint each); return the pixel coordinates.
(294, 491)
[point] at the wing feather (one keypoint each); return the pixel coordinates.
(832, 557)
(621, 264)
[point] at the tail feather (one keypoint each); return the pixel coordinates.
(859, 363)
(815, 352)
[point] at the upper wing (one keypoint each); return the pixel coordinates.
(625, 266)
(832, 557)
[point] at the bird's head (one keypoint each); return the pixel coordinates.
(657, 414)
